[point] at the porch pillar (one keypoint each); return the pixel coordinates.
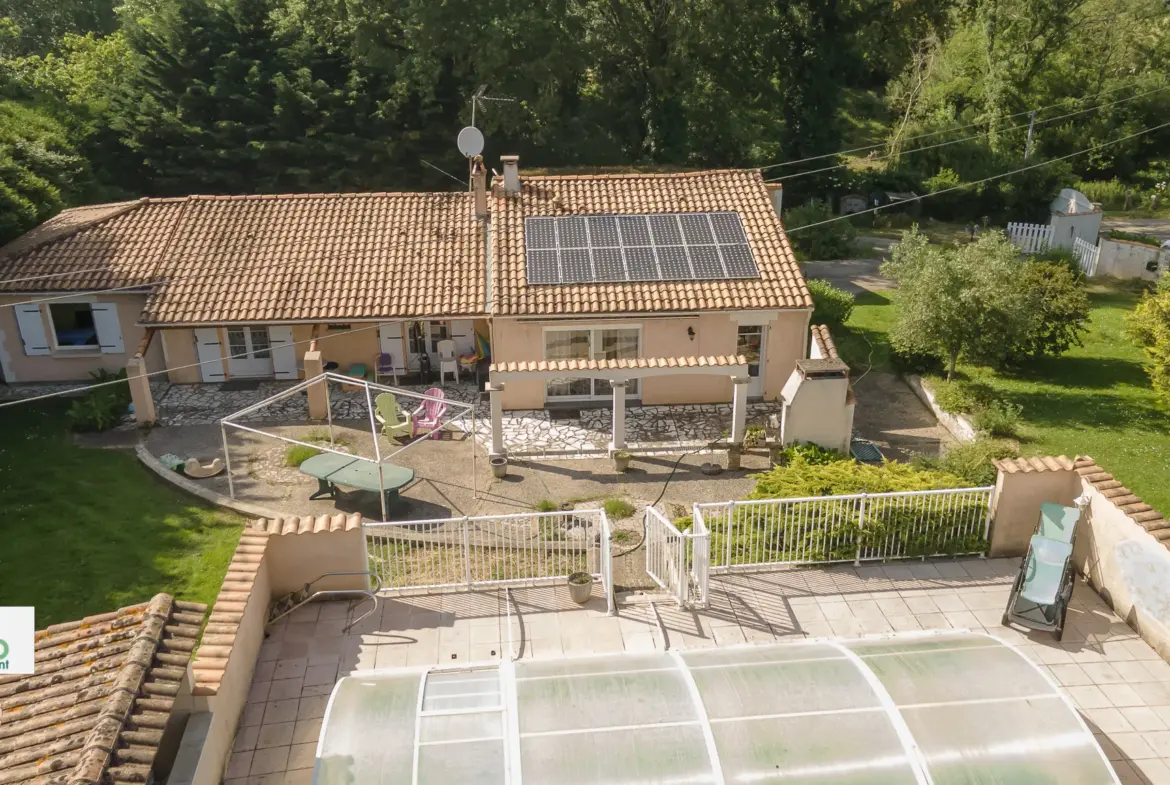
(495, 392)
(739, 409)
(140, 395)
(318, 400)
(619, 415)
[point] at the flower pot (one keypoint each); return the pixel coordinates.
(499, 468)
(580, 587)
(621, 461)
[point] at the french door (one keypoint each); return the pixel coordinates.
(602, 343)
(751, 342)
(249, 351)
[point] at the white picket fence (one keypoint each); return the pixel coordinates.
(1031, 238)
(490, 550)
(1087, 255)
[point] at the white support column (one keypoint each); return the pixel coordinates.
(739, 409)
(495, 392)
(619, 416)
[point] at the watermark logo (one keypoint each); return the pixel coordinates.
(17, 631)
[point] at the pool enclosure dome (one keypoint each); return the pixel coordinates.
(924, 708)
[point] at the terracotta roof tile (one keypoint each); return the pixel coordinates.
(616, 365)
(102, 694)
(97, 247)
(1028, 465)
(824, 338)
(1124, 499)
(780, 285)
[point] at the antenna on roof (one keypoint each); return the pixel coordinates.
(479, 97)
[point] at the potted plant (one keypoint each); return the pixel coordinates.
(621, 460)
(499, 467)
(580, 587)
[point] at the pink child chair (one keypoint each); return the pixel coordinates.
(427, 417)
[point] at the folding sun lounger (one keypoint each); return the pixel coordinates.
(1044, 585)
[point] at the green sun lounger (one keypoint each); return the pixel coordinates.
(1044, 585)
(332, 470)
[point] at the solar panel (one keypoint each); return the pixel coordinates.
(655, 247)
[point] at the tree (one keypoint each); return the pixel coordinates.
(1057, 315)
(816, 234)
(39, 168)
(1149, 326)
(962, 301)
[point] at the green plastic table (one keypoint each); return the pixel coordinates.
(332, 470)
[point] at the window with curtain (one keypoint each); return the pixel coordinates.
(615, 345)
(567, 345)
(599, 344)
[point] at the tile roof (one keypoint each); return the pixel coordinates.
(824, 339)
(780, 285)
(322, 257)
(97, 706)
(1124, 499)
(547, 366)
(1034, 464)
(97, 247)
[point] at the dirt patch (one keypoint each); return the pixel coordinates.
(892, 416)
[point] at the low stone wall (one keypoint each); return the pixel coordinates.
(956, 424)
(273, 558)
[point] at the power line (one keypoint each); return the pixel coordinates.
(970, 138)
(960, 186)
(440, 171)
(935, 133)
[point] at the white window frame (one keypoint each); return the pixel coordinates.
(70, 350)
(593, 337)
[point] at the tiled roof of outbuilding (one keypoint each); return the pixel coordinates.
(101, 697)
(780, 285)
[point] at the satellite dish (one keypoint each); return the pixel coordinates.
(470, 141)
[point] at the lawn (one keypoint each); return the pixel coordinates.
(1095, 400)
(89, 530)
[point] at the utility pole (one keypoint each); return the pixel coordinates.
(1028, 145)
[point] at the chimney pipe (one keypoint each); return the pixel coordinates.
(479, 186)
(776, 191)
(511, 173)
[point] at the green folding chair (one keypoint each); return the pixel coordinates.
(395, 422)
(1044, 585)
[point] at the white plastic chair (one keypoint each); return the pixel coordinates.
(447, 360)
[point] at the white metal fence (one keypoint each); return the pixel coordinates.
(1087, 255)
(677, 560)
(852, 528)
(490, 550)
(1032, 238)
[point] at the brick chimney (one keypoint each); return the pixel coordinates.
(479, 186)
(511, 173)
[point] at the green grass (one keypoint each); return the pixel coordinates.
(87, 531)
(1095, 400)
(297, 454)
(546, 505)
(618, 509)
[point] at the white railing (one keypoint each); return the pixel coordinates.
(851, 528)
(1087, 255)
(1031, 238)
(678, 560)
(490, 550)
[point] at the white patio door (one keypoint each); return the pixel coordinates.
(752, 343)
(249, 351)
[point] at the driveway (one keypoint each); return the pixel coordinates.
(1158, 227)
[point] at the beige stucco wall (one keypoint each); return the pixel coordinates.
(70, 366)
(820, 411)
(1016, 509)
(715, 334)
(359, 344)
(1123, 259)
(296, 559)
(181, 355)
(227, 704)
(1129, 568)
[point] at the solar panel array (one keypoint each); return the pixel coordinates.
(658, 247)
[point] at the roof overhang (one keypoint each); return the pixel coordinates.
(621, 370)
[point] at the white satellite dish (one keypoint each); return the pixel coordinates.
(470, 141)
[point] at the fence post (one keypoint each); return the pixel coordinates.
(987, 522)
(860, 529)
(727, 553)
(366, 551)
(466, 555)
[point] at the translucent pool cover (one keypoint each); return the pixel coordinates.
(947, 709)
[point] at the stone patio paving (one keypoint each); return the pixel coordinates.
(1119, 684)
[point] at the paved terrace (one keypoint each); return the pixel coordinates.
(1117, 681)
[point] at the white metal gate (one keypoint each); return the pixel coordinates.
(677, 560)
(489, 550)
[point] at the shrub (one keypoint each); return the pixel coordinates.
(1144, 239)
(1149, 326)
(618, 509)
(297, 454)
(920, 363)
(831, 305)
(823, 241)
(972, 461)
(1062, 257)
(546, 505)
(621, 536)
(949, 206)
(101, 407)
(960, 397)
(1057, 314)
(684, 523)
(800, 477)
(810, 453)
(998, 419)
(754, 436)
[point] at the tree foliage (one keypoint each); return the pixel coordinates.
(1149, 325)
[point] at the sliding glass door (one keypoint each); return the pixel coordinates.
(604, 343)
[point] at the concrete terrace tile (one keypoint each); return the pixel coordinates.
(269, 761)
(277, 735)
(1144, 719)
(283, 689)
(281, 711)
